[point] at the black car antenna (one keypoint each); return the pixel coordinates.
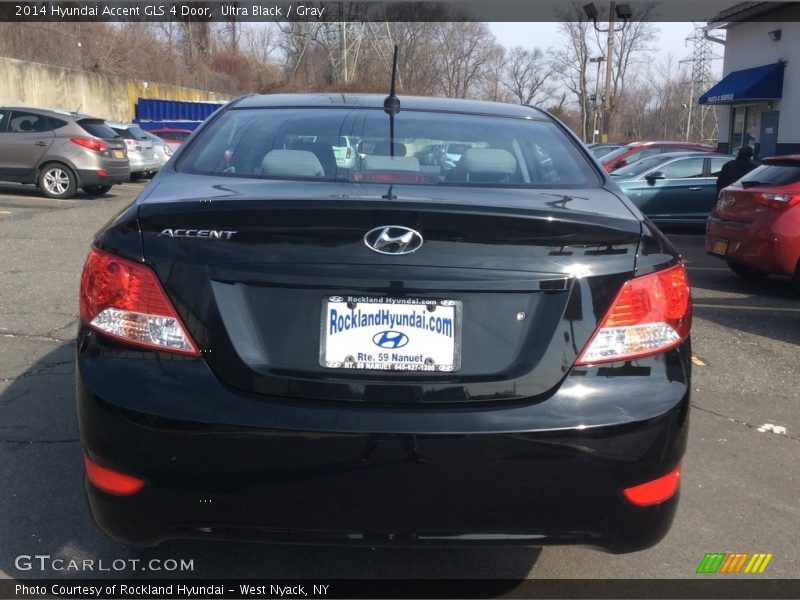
(391, 105)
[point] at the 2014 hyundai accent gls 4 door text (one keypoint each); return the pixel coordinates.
(274, 347)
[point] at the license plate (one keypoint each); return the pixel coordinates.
(390, 334)
(118, 154)
(720, 247)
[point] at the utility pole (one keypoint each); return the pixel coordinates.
(622, 11)
(595, 104)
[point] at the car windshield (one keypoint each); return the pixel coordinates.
(773, 175)
(640, 166)
(97, 128)
(298, 144)
(614, 154)
(598, 151)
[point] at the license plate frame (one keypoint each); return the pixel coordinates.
(720, 247)
(420, 335)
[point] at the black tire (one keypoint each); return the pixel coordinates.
(57, 181)
(97, 190)
(136, 176)
(746, 272)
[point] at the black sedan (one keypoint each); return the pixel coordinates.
(273, 347)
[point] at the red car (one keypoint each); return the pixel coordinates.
(755, 225)
(638, 150)
(173, 137)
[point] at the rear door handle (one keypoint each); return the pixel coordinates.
(695, 189)
(40, 144)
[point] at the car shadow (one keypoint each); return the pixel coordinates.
(31, 191)
(45, 513)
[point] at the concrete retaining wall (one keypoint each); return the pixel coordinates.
(34, 84)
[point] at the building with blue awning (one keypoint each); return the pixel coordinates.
(759, 94)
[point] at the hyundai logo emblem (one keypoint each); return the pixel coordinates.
(391, 340)
(393, 239)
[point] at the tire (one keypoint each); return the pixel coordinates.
(57, 181)
(137, 176)
(746, 272)
(97, 190)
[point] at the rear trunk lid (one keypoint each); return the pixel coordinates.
(264, 282)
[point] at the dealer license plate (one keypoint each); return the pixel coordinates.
(720, 247)
(390, 334)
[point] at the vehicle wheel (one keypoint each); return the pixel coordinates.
(746, 272)
(136, 176)
(97, 190)
(57, 181)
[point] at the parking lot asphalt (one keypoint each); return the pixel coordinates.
(740, 484)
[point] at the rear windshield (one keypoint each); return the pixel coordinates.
(640, 166)
(772, 175)
(98, 128)
(299, 144)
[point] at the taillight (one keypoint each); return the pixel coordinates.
(383, 177)
(651, 314)
(167, 150)
(132, 145)
(110, 481)
(655, 491)
(349, 152)
(90, 143)
(124, 300)
(779, 201)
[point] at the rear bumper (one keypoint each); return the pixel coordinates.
(770, 244)
(141, 164)
(236, 467)
(114, 175)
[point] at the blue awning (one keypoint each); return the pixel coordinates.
(758, 83)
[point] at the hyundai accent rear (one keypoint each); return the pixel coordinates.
(275, 347)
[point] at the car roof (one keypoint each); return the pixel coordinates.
(666, 143)
(776, 160)
(55, 111)
(456, 105)
(119, 125)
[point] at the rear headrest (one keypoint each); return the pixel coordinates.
(388, 163)
(384, 149)
(488, 160)
(291, 163)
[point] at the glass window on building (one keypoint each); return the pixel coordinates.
(743, 127)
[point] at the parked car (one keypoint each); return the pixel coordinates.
(345, 151)
(755, 226)
(601, 148)
(637, 150)
(174, 137)
(498, 354)
(162, 149)
(432, 154)
(141, 149)
(677, 187)
(60, 151)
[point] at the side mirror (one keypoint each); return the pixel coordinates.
(652, 177)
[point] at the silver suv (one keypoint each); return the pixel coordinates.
(141, 149)
(60, 151)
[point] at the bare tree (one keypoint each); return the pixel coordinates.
(527, 73)
(570, 62)
(465, 54)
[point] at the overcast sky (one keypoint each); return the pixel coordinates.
(544, 35)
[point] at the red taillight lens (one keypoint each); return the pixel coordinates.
(656, 491)
(132, 145)
(110, 481)
(125, 300)
(167, 150)
(349, 152)
(651, 314)
(89, 143)
(779, 201)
